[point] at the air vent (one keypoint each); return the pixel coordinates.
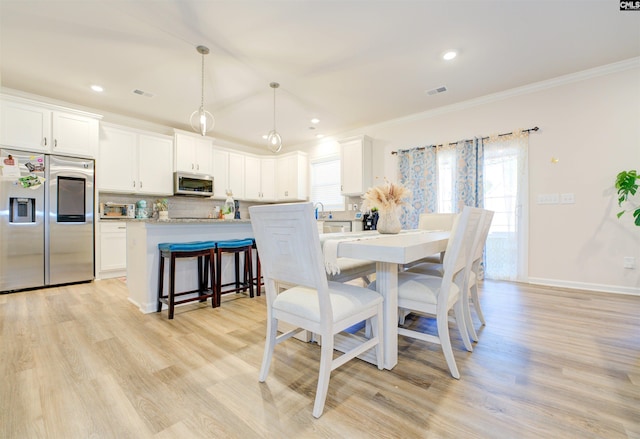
(435, 91)
(142, 93)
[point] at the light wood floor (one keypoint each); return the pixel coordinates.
(82, 362)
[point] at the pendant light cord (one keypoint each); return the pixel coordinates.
(274, 108)
(202, 86)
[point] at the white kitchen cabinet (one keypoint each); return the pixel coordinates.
(193, 153)
(134, 162)
(113, 249)
(228, 174)
(220, 173)
(236, 175)
(155, 164)
(260, 178)
(31, 126)
(292, 180)
(268, 179)
(356, 165)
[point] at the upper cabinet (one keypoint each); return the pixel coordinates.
(32, 126)
(193, 153)
(134, 162)
(292, 180)
(228, 173)
(236, 175)
(220, 173)
(260, 178)
(356, 165)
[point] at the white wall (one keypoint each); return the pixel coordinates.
(590, 122)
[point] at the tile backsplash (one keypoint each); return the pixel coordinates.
(179, 207)
(196, 207)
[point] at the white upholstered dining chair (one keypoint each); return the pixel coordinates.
(436, 296)
(290, 254)
(472, 273)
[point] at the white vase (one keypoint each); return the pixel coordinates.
(389, 221)
(163, 215)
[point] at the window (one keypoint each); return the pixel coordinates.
(325, 183)
(505, 193)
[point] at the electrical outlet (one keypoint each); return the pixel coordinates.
(629, 262)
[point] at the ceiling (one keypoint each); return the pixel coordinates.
(349, 63)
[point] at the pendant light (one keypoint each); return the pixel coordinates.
(201, 120)
(273, 138)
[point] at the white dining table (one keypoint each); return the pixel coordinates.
(390, 251)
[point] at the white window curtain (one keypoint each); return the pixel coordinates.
(325, 183)
(506, 192)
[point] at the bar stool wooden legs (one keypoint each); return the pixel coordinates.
(258, 281)
(205, 252)
(235, 246)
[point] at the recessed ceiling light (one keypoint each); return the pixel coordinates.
(97, 88)
(319, 136)
(315, 120)
(264, 136)
(449, 55)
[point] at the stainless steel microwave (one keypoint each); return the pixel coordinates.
(185, 183)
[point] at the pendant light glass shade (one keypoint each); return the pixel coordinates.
(273, 138)
(201, 120)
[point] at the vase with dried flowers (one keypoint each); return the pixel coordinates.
(388, 199)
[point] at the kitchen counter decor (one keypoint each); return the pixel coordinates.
(388, 199)
(162, 206)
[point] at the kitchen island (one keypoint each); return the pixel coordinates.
(143, 258)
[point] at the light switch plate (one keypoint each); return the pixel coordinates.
(548, 198)
(567, 198)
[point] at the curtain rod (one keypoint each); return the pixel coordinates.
(466, 140)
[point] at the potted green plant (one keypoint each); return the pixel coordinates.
(627, 186)
(162, 206)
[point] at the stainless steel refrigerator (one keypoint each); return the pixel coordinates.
(46, 220)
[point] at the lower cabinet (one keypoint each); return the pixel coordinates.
(113, 249)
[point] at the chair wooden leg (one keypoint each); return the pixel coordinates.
(236, 256)
(458, 310)
(212, 268)
(202, 277)
(218, 291)
(476, 303)
(269, 346)
(258, 274)
(172, 285)
(445, 343)
(160, 283)
(326, 358)
(468, 321)
(248, 271)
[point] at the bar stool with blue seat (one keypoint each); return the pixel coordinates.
(205, 252)
(236, 247)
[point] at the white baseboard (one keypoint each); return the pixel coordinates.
(585, 286)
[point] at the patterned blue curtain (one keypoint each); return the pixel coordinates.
(469, 178)
(418, 173)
